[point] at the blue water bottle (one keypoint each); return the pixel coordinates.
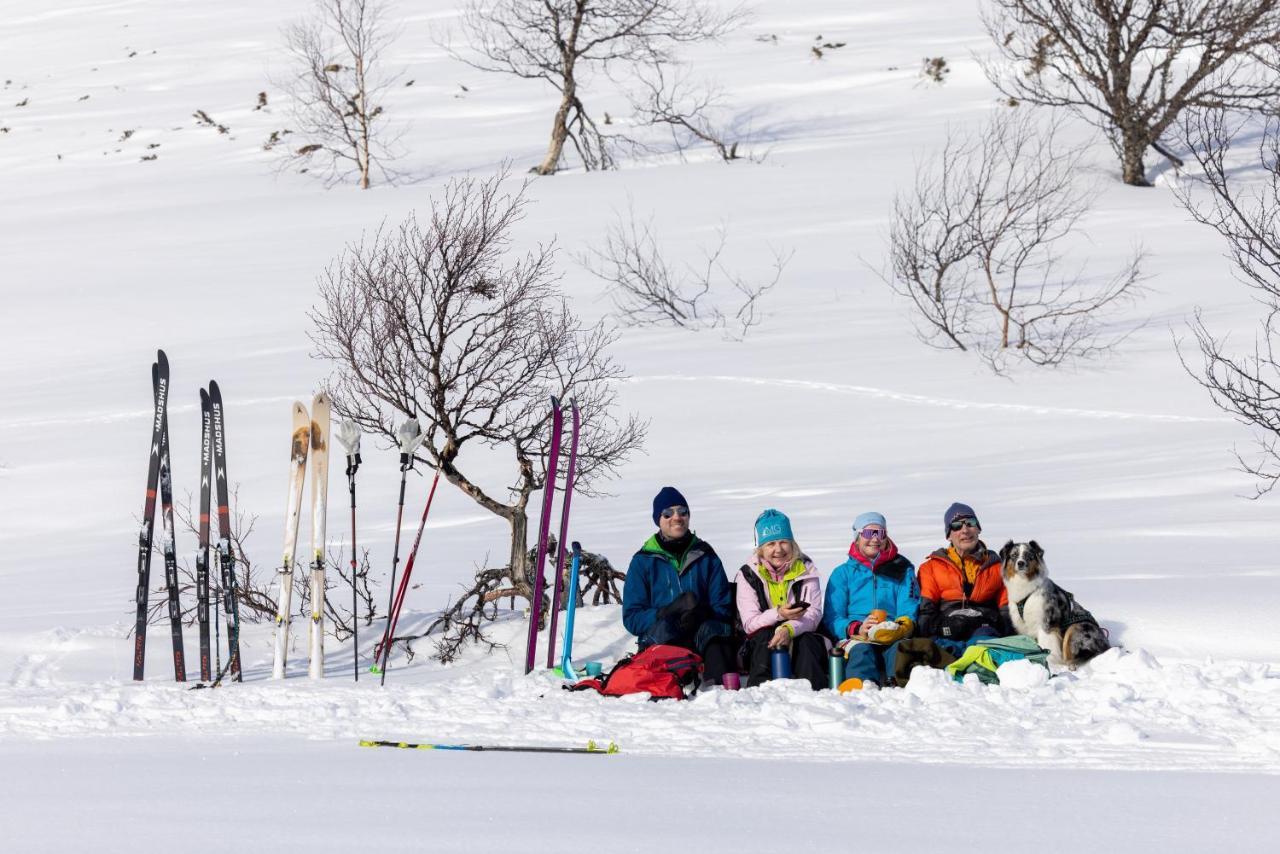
(780, 664)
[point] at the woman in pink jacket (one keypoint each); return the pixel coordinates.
(780, 605)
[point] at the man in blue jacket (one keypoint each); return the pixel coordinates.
(677, 591)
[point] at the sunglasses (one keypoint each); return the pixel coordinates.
(965, 523)
(675, 511)
(872, 534)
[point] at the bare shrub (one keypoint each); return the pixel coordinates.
(974, 247)
(1247, 216)
(435, 320)
(649, 290)
(336, 92)
(1131, 67)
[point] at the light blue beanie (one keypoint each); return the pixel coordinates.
(772, 525)
(869, 518)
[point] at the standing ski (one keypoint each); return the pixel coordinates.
(408, 437)
(558, 566)
(548, 493)
(319, 515)
(160, 390)
(226, 557)
(299, 444)
(349, 436)
(202, 549)
(168, 544)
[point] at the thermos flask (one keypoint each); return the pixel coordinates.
(780, 664)
(835, 668)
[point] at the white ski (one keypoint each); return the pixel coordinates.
(319, 512)
(297, 474)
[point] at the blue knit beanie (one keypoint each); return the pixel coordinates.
(869, 518)
(772, 525)
(668, 496)
(954, 512)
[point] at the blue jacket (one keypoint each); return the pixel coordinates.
(654, 580)
(856, 588)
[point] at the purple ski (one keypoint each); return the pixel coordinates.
(558, 566)
(548, 494)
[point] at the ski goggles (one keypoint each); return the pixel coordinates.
(965, 523)
(675, 511)
(872, 534)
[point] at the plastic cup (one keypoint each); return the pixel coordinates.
(593, 668)
(731, 681)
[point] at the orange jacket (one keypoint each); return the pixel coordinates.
(945, 590)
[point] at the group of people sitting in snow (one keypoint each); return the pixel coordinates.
(677, 592)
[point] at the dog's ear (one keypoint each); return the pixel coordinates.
(1036, 550)
(1005, 550)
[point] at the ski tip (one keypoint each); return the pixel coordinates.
(204, 397)
(576, 546)
(162, 360)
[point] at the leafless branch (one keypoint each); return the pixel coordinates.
(648, 290)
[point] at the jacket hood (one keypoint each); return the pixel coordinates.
(888, 553)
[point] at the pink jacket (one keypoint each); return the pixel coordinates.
(754, 619)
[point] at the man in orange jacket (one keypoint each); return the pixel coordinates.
(962, 591)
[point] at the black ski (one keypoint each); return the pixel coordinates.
(168, 543)
(226, 557)
(202, 551)
(160, 388)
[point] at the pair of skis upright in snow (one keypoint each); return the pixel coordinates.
(159, 476)
(548, 495)
(310, 439)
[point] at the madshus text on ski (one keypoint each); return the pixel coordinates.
(309, 442)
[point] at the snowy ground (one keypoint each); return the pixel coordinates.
(1123, 471)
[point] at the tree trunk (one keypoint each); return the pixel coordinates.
(559, 133)
(1134, 173)
(520, 575)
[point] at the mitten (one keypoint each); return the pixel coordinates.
(891, 632)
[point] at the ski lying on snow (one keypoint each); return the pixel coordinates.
(591, 747)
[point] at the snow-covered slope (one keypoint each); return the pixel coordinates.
(1122, 471)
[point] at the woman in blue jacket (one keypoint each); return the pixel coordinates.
(875, 578)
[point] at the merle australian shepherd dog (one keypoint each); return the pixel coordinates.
(1043, 610)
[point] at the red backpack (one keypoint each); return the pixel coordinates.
(663, 671)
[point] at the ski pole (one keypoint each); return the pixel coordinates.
(408, 570)
(349, 435)
(409, 437)
(591, 747)
(560, 547)
(566, 662)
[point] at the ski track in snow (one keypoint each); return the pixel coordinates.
(1126, 710)
(943, 402)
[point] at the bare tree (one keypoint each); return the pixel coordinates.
(563, 41)
(1248, 219)
(1131, 67)
(648, 290)
(974, 247)
(666, 96)
(434, 320)
(337, 90)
